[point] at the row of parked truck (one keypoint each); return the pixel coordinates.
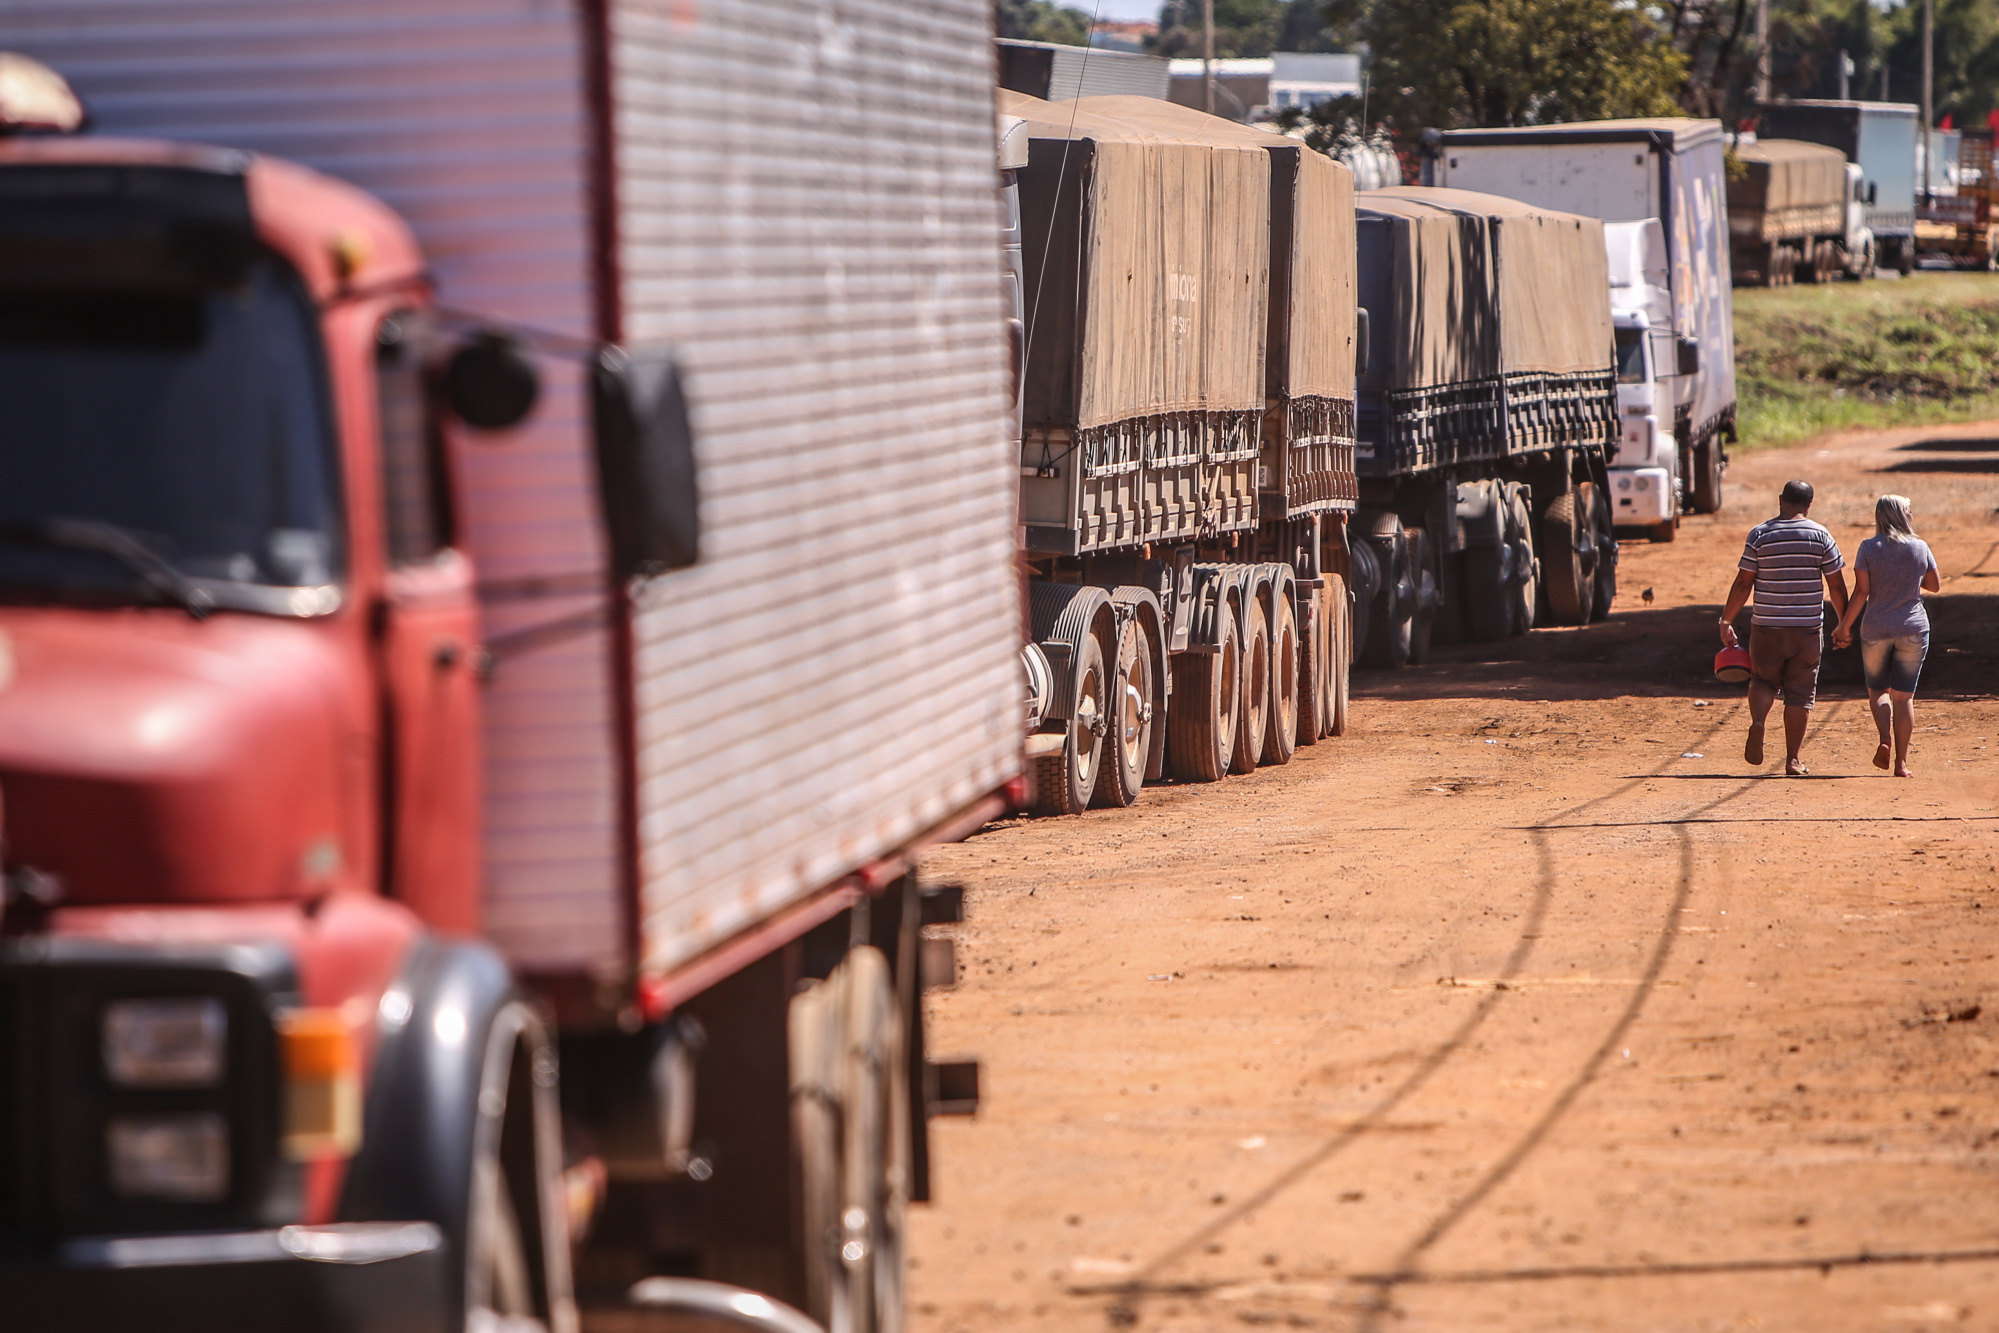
(507, 562)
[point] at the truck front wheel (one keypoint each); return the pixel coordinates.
(1707, 476)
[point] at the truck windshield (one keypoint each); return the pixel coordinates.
(194, 423)
(1631, 368)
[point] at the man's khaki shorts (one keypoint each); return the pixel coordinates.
(1787, 660)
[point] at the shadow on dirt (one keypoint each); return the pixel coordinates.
(1978, 446)
(1945, 465)
(1669, 651)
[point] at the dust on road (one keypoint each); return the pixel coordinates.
(1525, 1005)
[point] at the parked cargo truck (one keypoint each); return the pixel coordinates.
(1670, 170)
(1186, 464)
(1880, 139)
(1797, 210)
(1487, 408)
(478, 659)
(1955, 218)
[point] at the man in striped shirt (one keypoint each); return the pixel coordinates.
(1782, 563)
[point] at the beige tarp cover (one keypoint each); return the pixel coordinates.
(1310, 344)
(1553, 277)
(1787, 173)
(1426, 280)
(1173, 244)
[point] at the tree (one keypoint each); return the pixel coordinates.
(1041, 21)
(1457, 63)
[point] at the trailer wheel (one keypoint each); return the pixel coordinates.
(1605, 533)
(1489, 592)
(850, 1116)
(1339, 656)
(1525, 562)
(1389, 618)
(1130, 714)
(1065, 780)
(1426, 595)
(1366, 582)
(1568, 562)
(1280, 732)
(1314, 647)
(1905, 257)
(1201, 712)
(1254, 714)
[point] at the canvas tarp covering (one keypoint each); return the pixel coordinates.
(1426, 280)
(1147, 269)
(1309, 347)
(1787, 173)
(1552, 274)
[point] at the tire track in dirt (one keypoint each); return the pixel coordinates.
(1127, 1296)
(1405, 1270)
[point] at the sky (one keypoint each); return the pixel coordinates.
(1118, 11)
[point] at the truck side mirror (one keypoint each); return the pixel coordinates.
(490, 383)
(645, 462)
(1690, 355)
(1361, 340)
(1872, 188)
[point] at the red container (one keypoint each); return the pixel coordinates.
(1731, 665)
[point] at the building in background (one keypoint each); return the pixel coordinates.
(1061, 73)
(1248, 90)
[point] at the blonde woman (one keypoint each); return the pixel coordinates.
(1890, 574)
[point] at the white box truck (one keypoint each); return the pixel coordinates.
(1628, 171)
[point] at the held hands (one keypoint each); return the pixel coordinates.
(1842, 636)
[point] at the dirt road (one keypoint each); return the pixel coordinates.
(1526, 1005)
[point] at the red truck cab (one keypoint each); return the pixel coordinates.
(240, 1023)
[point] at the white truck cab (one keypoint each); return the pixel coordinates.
(1645, 472)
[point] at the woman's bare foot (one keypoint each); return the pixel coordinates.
(1902, 771)
(1881, 756)
(1752, 749)
(1795, 768)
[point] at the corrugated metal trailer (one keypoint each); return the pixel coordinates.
(1187, 404)
(695, 781)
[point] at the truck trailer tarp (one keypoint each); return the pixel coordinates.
(1309, 342)
(1147, 261)
(1789, 188)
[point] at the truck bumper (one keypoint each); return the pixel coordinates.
(356, 1278)
(1640, 496)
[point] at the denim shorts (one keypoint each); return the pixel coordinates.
(1893, 664)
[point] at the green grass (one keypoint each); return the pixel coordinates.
(1899, 352)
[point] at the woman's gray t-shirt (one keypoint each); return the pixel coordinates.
(1895, 571)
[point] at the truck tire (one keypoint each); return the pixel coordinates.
(1201, 711)
(1066, 789)
(517, 1192)
(1488, 586)
(1280, 733)
(1525, 561)
(1364, 583)
(1426, 595)
(1254, 715)
(1388, 618)
(1905, 257)
(1567, 559)
(1339, 656)
(850, 1121)
(1707, 476)
(1313, 651)
(1605, 530)
(1122, 774)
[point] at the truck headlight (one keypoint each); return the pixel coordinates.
(179, 1157)
(166, 1043)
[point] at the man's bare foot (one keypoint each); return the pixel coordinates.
(1902, 771)
(1881, 756)
(1795, 768)
(1752, 749)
